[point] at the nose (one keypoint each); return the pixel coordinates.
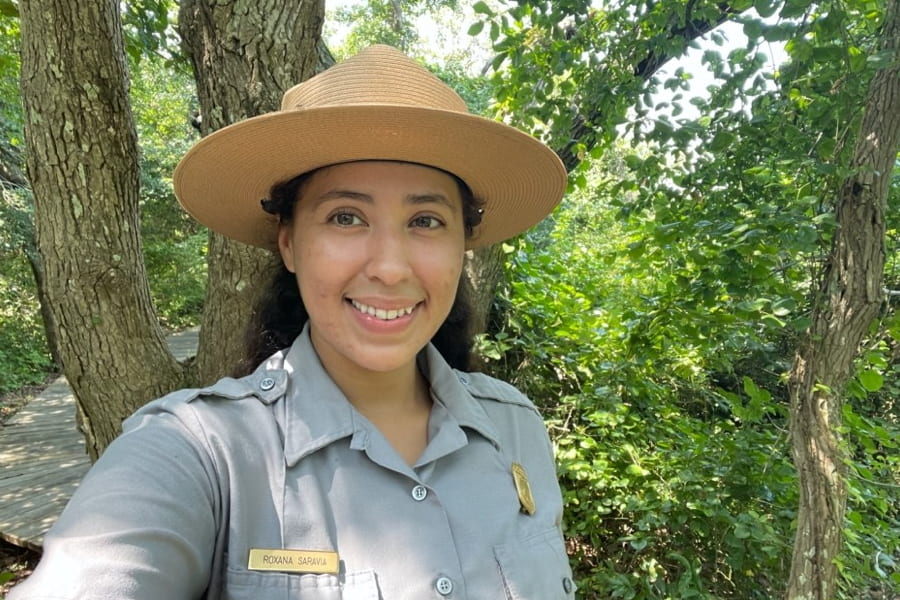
(388, 257)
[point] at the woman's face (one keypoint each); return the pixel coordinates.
(378, 249)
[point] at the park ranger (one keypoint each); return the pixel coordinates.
(354, 456)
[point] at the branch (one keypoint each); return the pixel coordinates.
(583, 127)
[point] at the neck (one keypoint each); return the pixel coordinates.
(384, 394)
(397, 402)
(396, 391)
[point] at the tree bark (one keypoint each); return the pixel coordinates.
(849, 299)
(485, 271)
(40, 282)
(245, 54)
(83, 167)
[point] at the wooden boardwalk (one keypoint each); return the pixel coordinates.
(42, 458)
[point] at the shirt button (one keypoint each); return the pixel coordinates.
(567, 585)
(444, 586)
(267, 384)
(419, 492)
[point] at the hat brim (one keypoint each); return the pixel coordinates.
(221, 180)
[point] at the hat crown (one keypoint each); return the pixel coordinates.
(377, 75)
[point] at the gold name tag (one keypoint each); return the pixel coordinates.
(293, 561)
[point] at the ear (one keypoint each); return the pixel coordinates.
(286, 246)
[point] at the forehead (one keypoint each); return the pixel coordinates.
(378, 178)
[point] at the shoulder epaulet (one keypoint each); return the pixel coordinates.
(489, 388)
(266, 385)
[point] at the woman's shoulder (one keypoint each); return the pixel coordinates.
(228, 402)
(485, 387)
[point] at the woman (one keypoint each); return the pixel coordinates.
(355, 461)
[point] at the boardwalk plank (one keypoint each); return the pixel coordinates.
(42, 458)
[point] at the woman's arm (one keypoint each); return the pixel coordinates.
(142, 524)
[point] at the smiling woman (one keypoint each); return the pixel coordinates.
(369, 240)
(355, 457)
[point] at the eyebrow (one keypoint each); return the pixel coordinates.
(426, 198)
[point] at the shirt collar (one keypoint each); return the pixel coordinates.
(449, 387)
(314, 413)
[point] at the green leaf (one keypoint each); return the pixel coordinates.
(794, 8)
(740, 6)
(636, 470)
(639, 543)
(871, 380)
(722, 141)
(753, 28)
(8, 8)
(633, 162)
(482, 8)
(476, 28)
(765, 8)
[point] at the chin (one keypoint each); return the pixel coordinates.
(381, 361)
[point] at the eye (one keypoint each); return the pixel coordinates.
(427, 222)
(345, 219)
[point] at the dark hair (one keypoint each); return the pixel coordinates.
(280, 314)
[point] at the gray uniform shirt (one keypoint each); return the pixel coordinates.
(281, 460)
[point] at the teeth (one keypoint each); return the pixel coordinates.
(380, 313)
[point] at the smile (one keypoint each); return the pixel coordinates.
(380, 313)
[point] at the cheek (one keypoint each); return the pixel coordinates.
(322, 271)
(445, 274)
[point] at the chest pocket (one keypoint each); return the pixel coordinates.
(536, 568)
(252, 585)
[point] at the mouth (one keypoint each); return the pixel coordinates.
(381, 313)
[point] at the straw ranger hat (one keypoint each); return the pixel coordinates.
(377, 105)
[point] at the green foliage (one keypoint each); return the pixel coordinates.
(673, 331)
(149, 30)
(24, 358)
(8, 8)
(475, 90)
(674, 485)
(873, 515)
(6, 577)
(662, 386)
(389, 22)
(174, 245)
(575, 67)
(11, 117)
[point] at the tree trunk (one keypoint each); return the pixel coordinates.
(245, 54)
(485, 271)
(40, 282)
(850, 296)
(83, 167)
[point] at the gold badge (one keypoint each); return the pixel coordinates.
(526, 500)
(293, 561)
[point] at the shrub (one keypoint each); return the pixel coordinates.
(663, 397)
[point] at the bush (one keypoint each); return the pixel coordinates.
(663, 398)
